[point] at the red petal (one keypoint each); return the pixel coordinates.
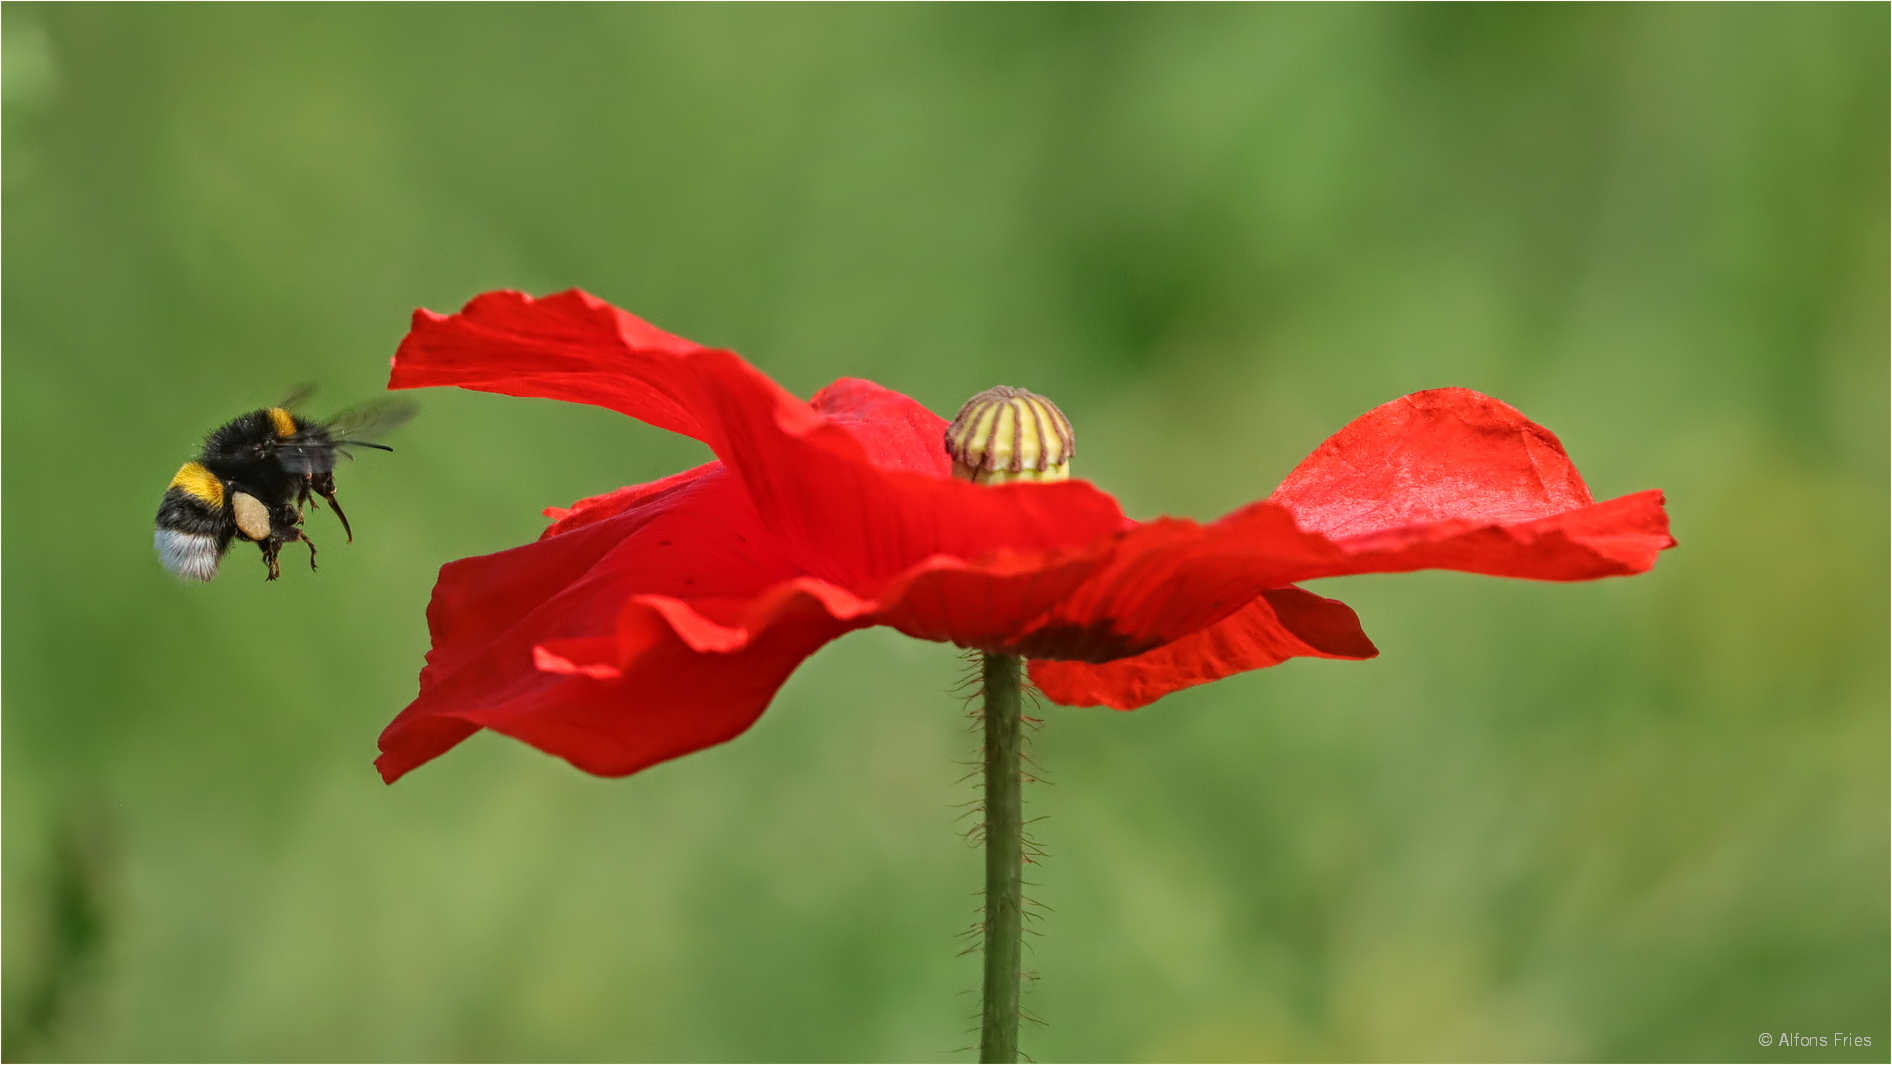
(1451, 479)
(896, 432)
(651, 694)
(1612, 539)
(986, 603)
(1446, 479)
(571, 346)
(837, 491)
(594, 509)
(1171, 577)
(1449, 454)
(690, 536)
(1279, 624)
(615, 705)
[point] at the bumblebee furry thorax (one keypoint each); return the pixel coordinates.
(252, 479)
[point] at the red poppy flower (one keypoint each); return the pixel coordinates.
(661, 618)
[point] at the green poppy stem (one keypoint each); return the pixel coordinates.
(1004, 860)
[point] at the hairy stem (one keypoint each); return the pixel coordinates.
(1004, 860)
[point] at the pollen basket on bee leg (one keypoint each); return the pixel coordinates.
(252, 517)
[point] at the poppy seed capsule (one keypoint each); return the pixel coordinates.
(1007, 434)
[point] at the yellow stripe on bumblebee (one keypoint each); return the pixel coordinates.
(284, 421)
(199, 483)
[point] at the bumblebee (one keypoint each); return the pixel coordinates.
(253, 478)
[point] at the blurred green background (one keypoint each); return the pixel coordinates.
(1629, 820)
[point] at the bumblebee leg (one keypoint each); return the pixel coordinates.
(270, 549)
(291, 534)
(337, 507)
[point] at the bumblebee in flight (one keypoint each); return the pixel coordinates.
(253, 478)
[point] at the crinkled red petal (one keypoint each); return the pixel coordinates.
(1619, 537)
(846, 490)
(893, 429)
(594, 509)
(669, 682)
(1448, 454)
(1616, 538)
(616, 704)
(1447, 479)
(1451, 479)
(693, 536)
(985, 603)
(571, 347)
(1277, 625)
(1169, 578)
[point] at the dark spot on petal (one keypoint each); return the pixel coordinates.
(663, 543)
(1094, 641)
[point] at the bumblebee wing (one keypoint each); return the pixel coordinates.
(314, 449)
(297, 396)
(300, 454)
(368, 422)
